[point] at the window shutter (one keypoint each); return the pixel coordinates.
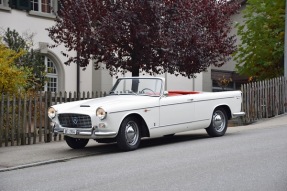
(23, 5)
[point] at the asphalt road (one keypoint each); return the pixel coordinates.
(253, 159)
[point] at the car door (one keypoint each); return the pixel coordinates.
(176, 113)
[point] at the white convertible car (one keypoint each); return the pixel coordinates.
(139, 107)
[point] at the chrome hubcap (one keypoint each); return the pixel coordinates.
(132, 133)
(219, 121)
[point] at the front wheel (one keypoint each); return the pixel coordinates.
(75, 143)
(129, 135)
(218, 125)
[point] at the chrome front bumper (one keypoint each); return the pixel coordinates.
(238, 114)
(92, 133)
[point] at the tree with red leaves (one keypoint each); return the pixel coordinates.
(181, 37)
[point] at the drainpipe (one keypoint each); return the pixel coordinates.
(78, 75)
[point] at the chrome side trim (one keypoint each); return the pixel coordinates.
(189, 122)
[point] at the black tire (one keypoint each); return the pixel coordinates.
(75, 143)
(218, 125)
(129, 135)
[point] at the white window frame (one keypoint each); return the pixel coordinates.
(51, 75)
(40, 13)
(40, 2)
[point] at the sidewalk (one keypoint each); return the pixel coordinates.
(17, 157)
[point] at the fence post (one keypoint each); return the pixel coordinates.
(46, 138)
(29, 120)
(35, 103)
(7, 121)
(60, 97)
(70, 97)
(41, 106)
(247, 104)
(75, 96)
(285, 94)
(49, 132)
(53, 136)
(19, 121)
(260, 104)
(65, 97)
(23, 137)
(13, 122)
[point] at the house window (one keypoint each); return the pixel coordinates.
(217, 87)
(52, 76)
(41, 6)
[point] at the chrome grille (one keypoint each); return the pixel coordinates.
(75, 120)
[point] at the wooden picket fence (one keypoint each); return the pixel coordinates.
(24, 120)
(264, 99)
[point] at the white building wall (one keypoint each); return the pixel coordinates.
(183, 83)
(206, 80)
(86, 82)
(23, 22)
(102, 81)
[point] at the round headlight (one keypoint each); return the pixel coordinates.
(51, 113)
(101, 113)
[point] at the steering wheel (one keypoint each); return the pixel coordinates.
(143, 90)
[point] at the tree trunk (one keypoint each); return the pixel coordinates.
(135, 73)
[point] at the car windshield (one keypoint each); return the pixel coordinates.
(137, 86)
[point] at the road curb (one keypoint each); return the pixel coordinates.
(43, 163)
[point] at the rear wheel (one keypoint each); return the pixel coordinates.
(218, 125)
(75, 143)
(129, 135)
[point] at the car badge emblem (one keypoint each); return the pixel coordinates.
(75, 120)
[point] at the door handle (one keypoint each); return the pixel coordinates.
(190, 100)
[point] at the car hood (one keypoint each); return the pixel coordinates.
(109, 103)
